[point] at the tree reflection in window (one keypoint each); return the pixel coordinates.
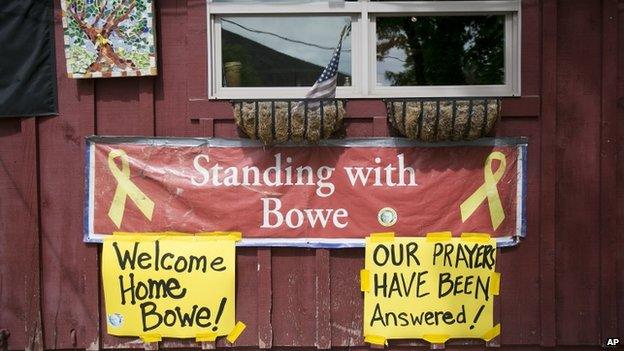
(441, 50)
(281, 51)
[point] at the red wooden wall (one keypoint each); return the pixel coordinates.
(562, 286)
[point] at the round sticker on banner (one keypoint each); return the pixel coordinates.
(387, 216)
(115, 319)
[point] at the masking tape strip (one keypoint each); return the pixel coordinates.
(375, 340)
(381, 237)
(476, 237)
(206, 337)
(236, 332)
(221, 238)
(146, 234)
(364, 280)
(436, 338)
(495, 283)
(174, 234)
(492, 333)
(127, 233)
(148, 338)
(236, 236)
(439, 236)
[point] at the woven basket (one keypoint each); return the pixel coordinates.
(278, 121)
(443, 119)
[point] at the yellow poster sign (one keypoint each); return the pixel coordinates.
(434, 288)
(169, 286)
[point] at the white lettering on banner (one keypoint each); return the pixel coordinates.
(357, 173)
(295, 218)
(283, 173)
(272, 176)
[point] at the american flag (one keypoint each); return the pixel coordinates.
(325, 85)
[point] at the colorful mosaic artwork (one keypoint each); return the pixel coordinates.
(109, 38)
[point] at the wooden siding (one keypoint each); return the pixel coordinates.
(562, 286)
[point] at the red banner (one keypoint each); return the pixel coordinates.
(328, 195)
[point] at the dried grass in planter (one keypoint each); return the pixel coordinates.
(443, 119)
(278, 121)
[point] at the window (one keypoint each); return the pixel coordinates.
(278, 48)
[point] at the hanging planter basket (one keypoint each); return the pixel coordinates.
(443, 119)
(278, 121)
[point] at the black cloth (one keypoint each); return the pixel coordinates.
(27, 64)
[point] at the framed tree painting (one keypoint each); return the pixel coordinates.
(109, 38)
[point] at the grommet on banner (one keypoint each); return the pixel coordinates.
(364, 280)
(381, 237)
(492, 333)
(375, 340)
(475, 237)
(439, 236)
(236, 332)
(495, 283)
(436, 338)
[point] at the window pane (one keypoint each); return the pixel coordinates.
(281, 51)
(267, 1)
(440, 50)
(278, 1)
(414, 0)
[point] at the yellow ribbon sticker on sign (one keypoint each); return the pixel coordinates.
(169, 286)
(126, 188)
(488, 191)
(434, 290)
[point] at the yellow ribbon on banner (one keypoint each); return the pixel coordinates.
(487, 191)
(126, 188)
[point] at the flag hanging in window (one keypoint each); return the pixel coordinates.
(325, 85)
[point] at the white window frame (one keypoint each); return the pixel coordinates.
(363, 38)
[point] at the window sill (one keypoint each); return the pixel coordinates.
(512, 107)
